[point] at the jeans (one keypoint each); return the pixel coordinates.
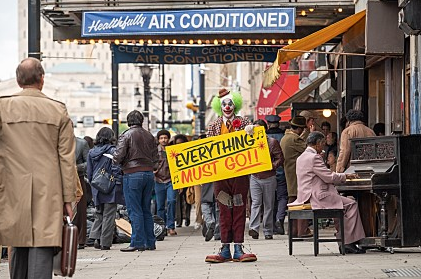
(210, 212)
(164, 192)
(138, 193)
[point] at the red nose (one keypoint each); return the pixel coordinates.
(227, 108)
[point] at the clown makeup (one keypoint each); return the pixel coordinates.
(227, 106)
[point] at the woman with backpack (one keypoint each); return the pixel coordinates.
(105, 203)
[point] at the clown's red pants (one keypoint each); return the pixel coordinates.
(231, 195)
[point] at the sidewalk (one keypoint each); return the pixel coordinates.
(183, 256)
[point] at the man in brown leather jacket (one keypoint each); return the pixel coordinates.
(137, 154)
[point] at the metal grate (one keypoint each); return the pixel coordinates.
(402, 272)
(91, 260)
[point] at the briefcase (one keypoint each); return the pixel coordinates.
(65, 260)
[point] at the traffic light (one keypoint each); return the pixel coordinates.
(107, 121)
(192, 106)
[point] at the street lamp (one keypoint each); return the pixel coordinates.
(146, 72)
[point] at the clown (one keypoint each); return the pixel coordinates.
(231, 194)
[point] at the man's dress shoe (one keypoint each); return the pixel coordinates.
(352, 249)
(254, 234)
(132, 249)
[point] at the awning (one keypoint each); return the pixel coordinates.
(300, 94)
(308, 43)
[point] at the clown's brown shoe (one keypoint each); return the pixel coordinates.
(240, 256)
(224, 255)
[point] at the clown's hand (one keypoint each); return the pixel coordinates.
(249, 129)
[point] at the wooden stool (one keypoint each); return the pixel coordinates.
(315, 215)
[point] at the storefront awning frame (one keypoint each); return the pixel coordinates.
(301, 94)
(308, 43)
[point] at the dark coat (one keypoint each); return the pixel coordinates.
(292, 146)
(96, 161)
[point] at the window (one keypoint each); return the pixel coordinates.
(82, 104)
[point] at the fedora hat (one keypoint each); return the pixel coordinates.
(223, 92)
(299, 121)
(308, 114)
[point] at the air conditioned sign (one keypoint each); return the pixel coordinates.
(192, 54)
(206, 21)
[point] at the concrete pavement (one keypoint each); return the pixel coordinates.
(182, 256)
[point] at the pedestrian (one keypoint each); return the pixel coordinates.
(183, 208)
(102, 230)
(292, 145)
(262, 190)
(331, 145)
(232, 219)
(316, 185)
(90, 141)
(379, 129)
(81, 155)
(137, 154)
(197, 197)
(37, 173)
(164, 192)
(210, 212)
(310, 127)
(326, 127)
(331, 160)
(355, 129)
(281, 200)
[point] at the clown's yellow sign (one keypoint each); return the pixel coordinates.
(217, 158)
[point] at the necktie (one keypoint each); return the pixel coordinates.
(229, 125)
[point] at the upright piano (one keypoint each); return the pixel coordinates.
(388, 189)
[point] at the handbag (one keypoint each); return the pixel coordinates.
(64, 262)
(103, 181)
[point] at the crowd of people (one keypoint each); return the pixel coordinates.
(39, 181)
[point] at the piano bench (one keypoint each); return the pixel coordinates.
(315, 215)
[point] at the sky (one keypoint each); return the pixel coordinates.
(9, 39)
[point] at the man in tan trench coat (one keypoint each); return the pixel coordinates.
(37, 173)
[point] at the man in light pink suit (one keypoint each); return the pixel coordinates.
(316, 185)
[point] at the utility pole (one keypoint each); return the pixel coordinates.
(202, 102)
(169, 104)
(163, 95)
(34, 29)
(146, 71)
(114, 93)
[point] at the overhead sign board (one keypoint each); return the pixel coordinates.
(88, 121)
(206, 21)
(193, 54)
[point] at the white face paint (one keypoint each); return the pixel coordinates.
(227, 106)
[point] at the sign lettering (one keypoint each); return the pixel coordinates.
(206, 21)
(192, 54)
(216, 158)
